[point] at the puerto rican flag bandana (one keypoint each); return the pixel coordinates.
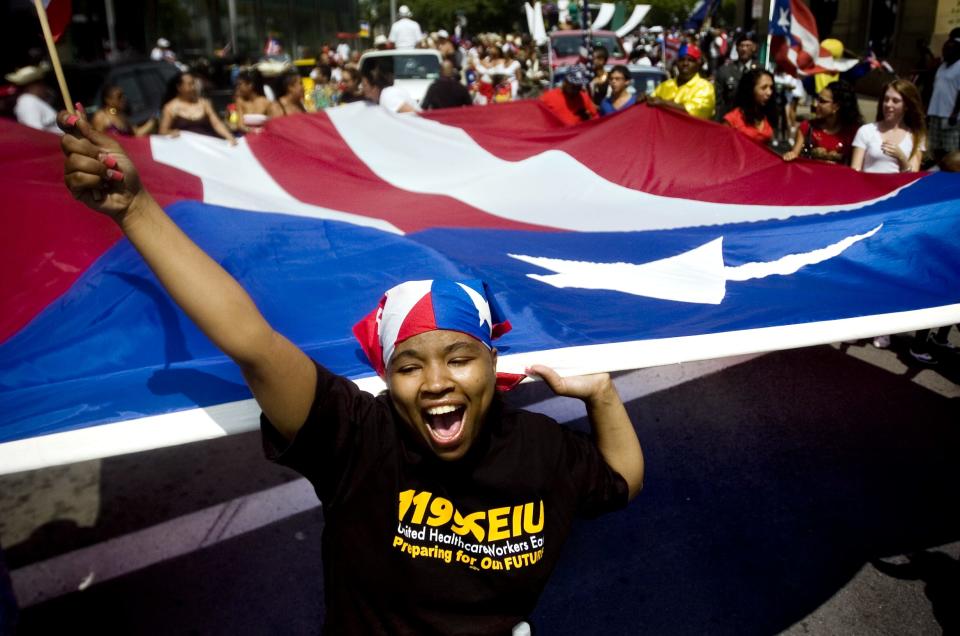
(418, 306)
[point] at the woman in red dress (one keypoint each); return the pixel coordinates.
(754, 108)
(829, 136)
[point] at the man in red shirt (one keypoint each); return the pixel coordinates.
(571, 103)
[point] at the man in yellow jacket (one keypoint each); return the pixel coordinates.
(688, 92)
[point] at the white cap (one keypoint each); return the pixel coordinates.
(26, 75)
(442, 33)
(163, 43)
(404, 11)
(380, 39)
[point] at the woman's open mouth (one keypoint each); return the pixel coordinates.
(445, 423)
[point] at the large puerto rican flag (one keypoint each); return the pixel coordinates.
(641, 239)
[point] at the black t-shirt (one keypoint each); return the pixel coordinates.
(417, 545)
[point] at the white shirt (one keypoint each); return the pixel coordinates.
(405, 33)
(343, 52)
(393, 97)
(946, 83)
(36, 113)
(874, 160)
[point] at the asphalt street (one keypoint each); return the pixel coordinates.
(812, 491)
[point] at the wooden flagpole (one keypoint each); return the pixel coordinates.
(54, 57)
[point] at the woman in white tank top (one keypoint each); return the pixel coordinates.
(896, 141)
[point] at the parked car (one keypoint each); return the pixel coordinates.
(565, 47)
(413, 69)
(645, 78)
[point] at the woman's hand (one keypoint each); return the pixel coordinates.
(583, 387)
(790, 155)
(613, 432)
(893, 150)
(96, 169)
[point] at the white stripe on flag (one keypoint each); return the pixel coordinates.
(234, 178)
(425, 156)
(237, 417)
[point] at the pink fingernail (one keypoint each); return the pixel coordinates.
(114, 175)
(109, 161)
(72, 119)
(79, 107)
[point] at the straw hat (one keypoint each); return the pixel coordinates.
(26, 75)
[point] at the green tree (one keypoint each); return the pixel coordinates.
(668, 12)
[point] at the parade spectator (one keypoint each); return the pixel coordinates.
(511, 69)
(405, 32)
(376, 85)
(250, 104)
(600, 84)
(343, 52)
(944, 104)
(620, 98)
(441, 433)
(728, 76)
(185, 110)
(896, 141)
(571, 102)
(112, 117)
(446, 91)
(718, 48)
(349, 89)
(290, 101)
(688, 92)
(829, 136)
(753, 107)
(446, 48)
(641, 56)
(324, 93)
(793, 94)
(33, 107)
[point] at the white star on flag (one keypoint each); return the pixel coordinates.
(784, 21)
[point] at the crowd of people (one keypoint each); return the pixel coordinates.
(724, 83)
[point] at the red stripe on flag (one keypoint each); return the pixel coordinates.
(299, 151)
(659, 151)
(48, 239)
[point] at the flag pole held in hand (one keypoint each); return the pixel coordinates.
(54, 57)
